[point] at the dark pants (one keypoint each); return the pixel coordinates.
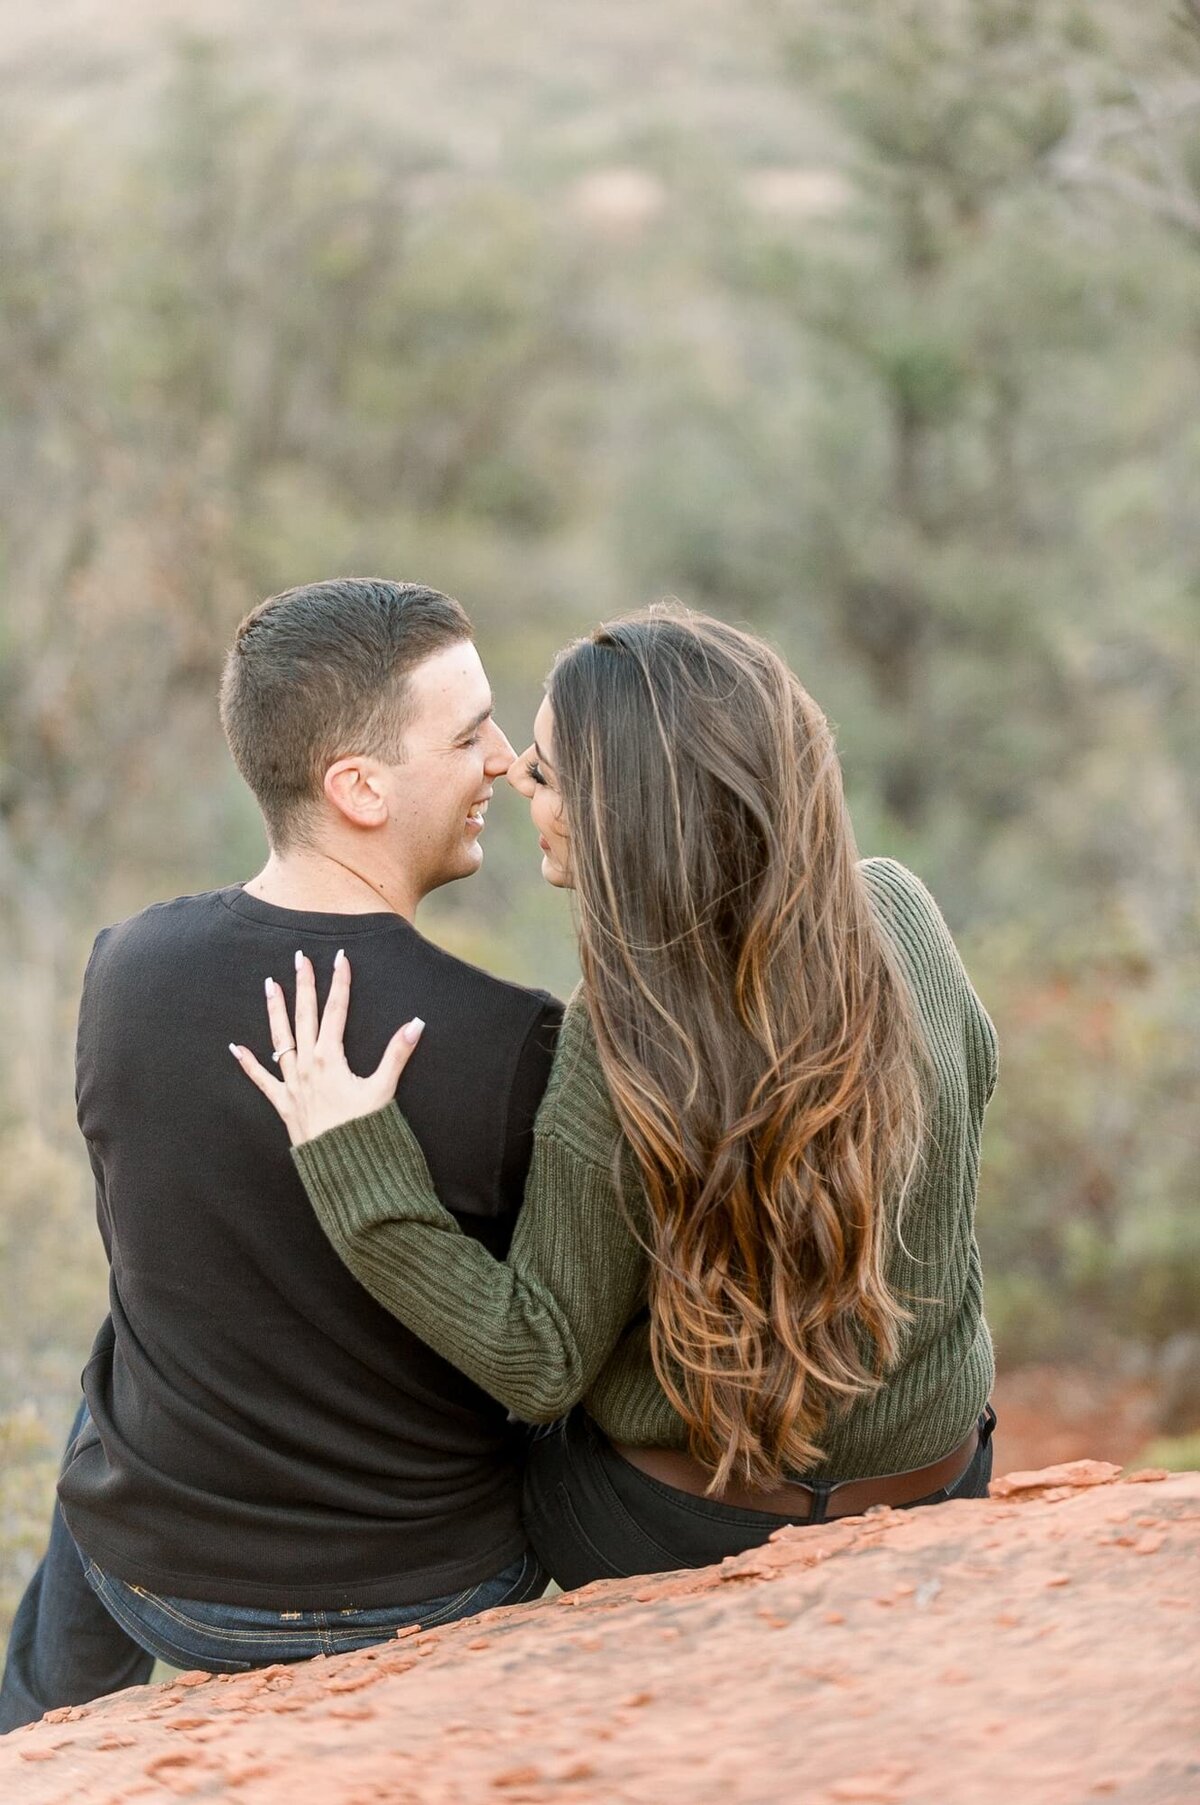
(80, 1633)
(65, 1649)
(591, 1515)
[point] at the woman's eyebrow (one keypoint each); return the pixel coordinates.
(541, 756)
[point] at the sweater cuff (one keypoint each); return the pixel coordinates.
(367, 1171)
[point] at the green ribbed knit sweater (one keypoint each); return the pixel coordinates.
(562, 1319)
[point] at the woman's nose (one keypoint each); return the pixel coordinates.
(518, 774)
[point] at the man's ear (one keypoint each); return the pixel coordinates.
(355, 788)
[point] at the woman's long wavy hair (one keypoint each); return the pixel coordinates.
(757, 1036)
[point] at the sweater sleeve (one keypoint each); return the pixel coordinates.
(985, 1049)
(533, 1329)
(940, 981)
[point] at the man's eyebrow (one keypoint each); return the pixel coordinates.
(480, 718)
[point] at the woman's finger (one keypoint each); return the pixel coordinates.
(272, 1089)
(277, 1014)
(337, 1003)
(396, 1056)
(306, 1006)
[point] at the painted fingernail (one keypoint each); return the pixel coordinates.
(236, 1051)
(270, 987)
(338, 957)
(299, 960)
(412, 1030)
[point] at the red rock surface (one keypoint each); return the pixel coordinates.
(1037, 1647)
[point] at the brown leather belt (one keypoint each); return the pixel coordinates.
(673, 1467)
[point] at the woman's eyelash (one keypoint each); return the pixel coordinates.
(535, 771)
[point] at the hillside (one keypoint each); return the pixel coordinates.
(873, 328)
(474, 80)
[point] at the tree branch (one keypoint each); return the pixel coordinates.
(1079, 160)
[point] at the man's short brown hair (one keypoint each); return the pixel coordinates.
(321, 672)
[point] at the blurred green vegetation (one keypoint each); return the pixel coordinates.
(1177, 1453)
(915, 392)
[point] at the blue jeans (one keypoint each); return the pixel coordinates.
(80, 1633)
(64, 1648)
(230, 1638)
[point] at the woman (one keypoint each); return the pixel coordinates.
(744, 1288)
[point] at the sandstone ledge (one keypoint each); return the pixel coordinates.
(1037, 1647)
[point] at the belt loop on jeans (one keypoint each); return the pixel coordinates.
(987, 1424)
(820, 1500)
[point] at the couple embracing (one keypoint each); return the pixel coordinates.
(425, 1289)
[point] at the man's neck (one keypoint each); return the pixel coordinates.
(319, 882)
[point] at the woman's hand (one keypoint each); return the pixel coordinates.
(316, 1089)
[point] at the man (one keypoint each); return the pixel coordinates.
(267, 1465)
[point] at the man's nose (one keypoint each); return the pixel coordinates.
(500, 755)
